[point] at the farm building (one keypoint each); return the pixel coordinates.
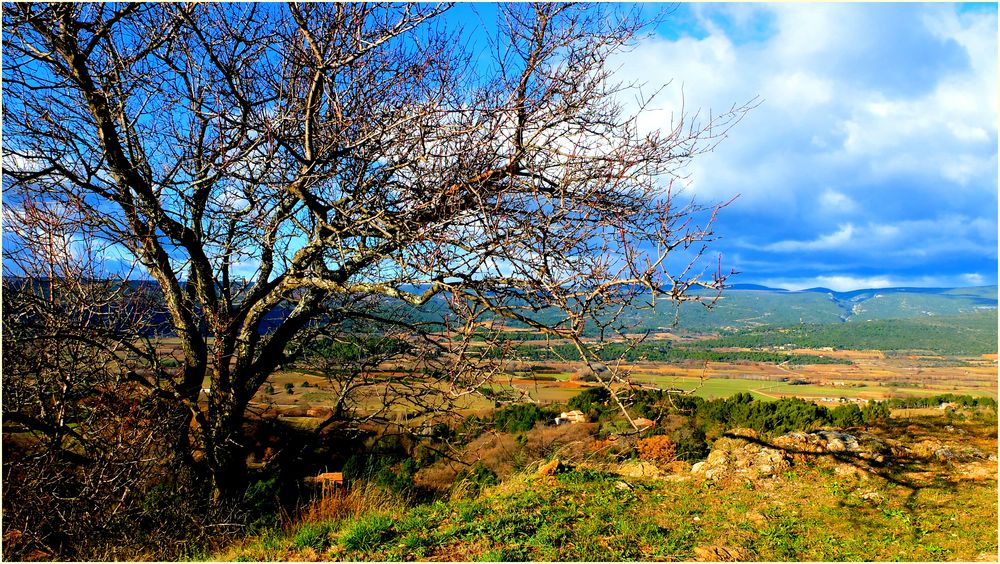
(575, 416)
(643, 423)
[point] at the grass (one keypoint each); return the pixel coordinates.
(923, 510)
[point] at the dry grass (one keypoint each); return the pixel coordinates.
(361, 499)
(507, 453)
(657, 449)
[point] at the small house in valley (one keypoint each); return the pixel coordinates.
(575, 416)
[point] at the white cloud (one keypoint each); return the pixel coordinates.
(846, 282)
(939, 236)
(876, 140)
(974, 279)
(827, 106)
(837, 202)
(835, 240)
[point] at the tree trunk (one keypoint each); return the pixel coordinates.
(227, 456)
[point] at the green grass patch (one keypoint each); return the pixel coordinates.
(368, 532)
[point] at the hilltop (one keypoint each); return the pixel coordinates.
(747, 305)
(927, 492)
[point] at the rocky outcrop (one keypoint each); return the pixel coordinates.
(862, 446)
(739, 455)
(931, 449)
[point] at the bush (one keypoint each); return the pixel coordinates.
(691, 443)
(657, 449)
(875, 412)
(767, 418)
(591, 398)
(518, 418)
(474, 479)
(391, 471)
(845, 416)
(289, 388)
(614, 427)
(262, 502)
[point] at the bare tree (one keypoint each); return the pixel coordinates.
(322, 159)
(84, 449)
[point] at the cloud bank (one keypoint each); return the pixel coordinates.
(872, 159)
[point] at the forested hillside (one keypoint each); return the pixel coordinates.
(970, 334)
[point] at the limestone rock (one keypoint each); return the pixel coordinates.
(735, 456)
(639, 469)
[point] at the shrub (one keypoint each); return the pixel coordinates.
(261, 501)
(657, 449)
(875, 412)
(289, 388)
(591, 398)
(691, 443)
(844, 416)
(767, 418)
(518, 418)
(474, 479)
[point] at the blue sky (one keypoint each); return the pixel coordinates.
(872, 159)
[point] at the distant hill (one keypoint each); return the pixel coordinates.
(743, 306)
(746, 306)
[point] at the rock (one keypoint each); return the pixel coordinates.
(638, 469)
(862, 446)
(624, 486)
(735, 456)
(850, 470)
(871, 496)
(944, 453)
(679, 467)
(977, 471)
(938, 451)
